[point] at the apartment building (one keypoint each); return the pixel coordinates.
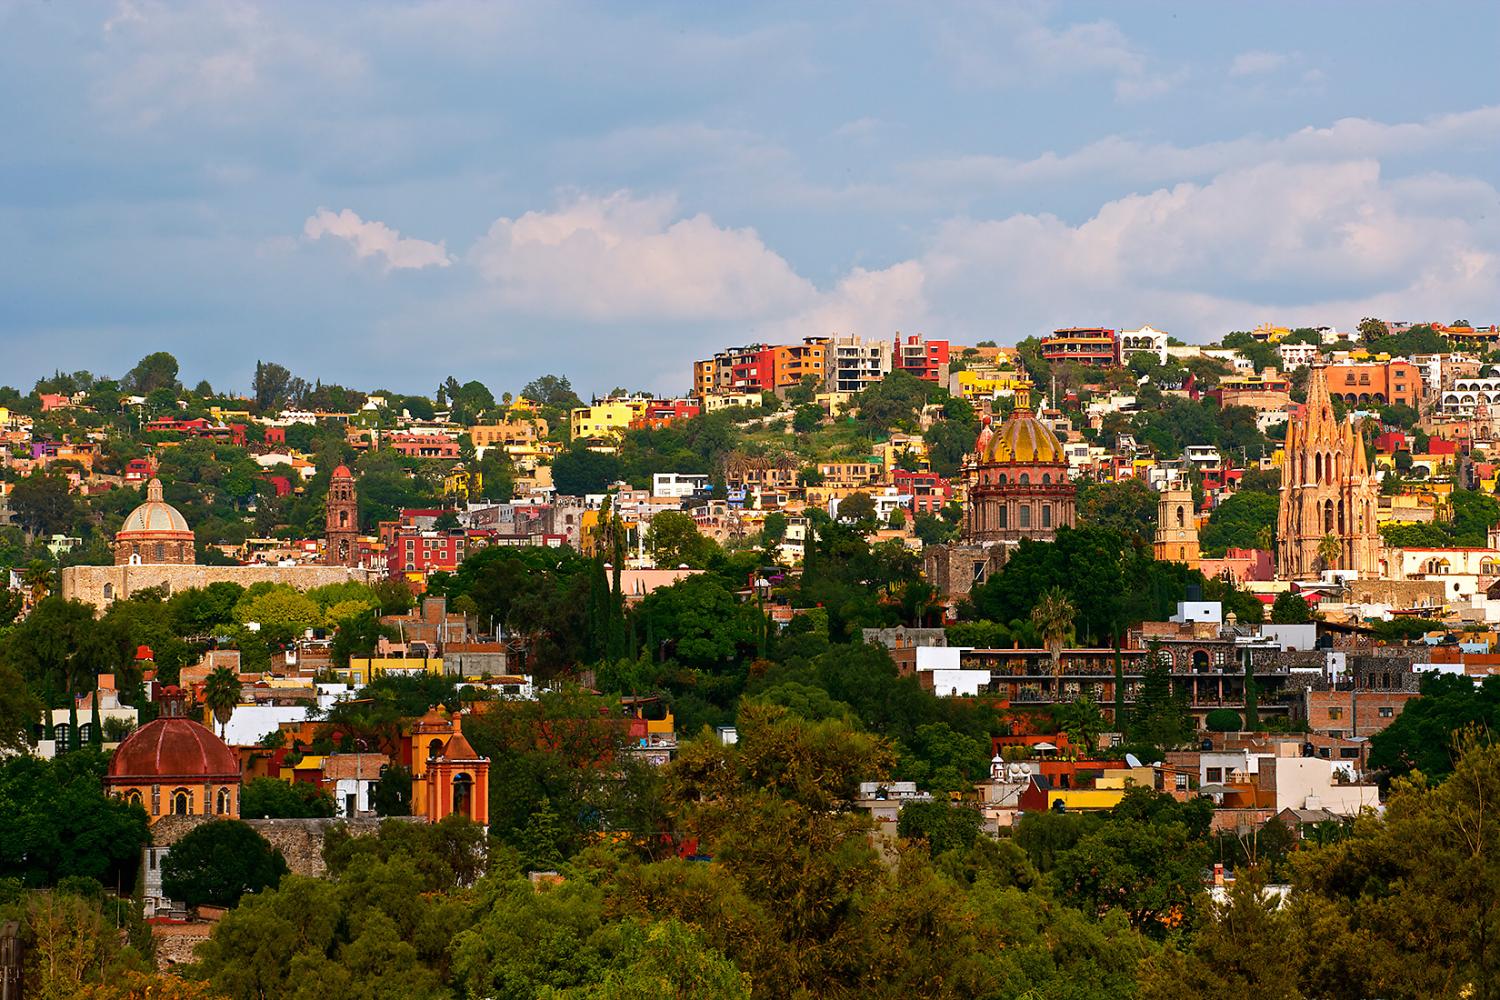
(1146, 340)
(854, 365)
(1082, 345)
(926, 359)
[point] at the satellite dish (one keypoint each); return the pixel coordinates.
(1132, 761)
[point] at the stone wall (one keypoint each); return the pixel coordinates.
(299, 840)
(99, 585)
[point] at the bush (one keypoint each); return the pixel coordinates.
(1223, 720)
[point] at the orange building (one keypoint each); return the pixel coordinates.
(447, 775)
(173, 766)
(1376, 384)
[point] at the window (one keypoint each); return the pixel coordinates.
(1214, 775)
(223, 803)
(1002, 511)
(1387, 712)
(1024, 520)
(1046, 515)
(1335, 712)
(182, 803)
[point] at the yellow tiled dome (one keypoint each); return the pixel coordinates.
(1024, 440)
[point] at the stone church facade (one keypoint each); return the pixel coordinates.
(1328, 491)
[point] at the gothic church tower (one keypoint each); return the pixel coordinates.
(1327, 491)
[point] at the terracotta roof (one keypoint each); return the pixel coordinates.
(458, 749)
(173, 748)
(342, 472)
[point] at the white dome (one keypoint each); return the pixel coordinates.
(154, 515)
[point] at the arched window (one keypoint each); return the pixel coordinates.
(463, 794)
(86, 732)
(434, 749)
(1046, 478)
(109, 591)
(1025, 479)
(223, 802)
(182, 803)
(343, 519)
(1001, 480)
(1181, 516)
(1318, 467)
(1328, 517)
(133, 797)
(60, 734)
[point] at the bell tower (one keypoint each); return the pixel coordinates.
(342, 525)
(1176, 526)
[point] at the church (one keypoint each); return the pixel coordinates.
(1019, 487)
(155, 548)
(1329, 494)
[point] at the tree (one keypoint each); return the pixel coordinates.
(944, 826)
(857, 508)
(43, 504)
(551, 391)
(1371, 329)
(271, 385)
(221, 694)
(1421, 738)
(699, 622)
(1126, 505)
(1223, 720)
(1083, 723)
(673, 539)
(1244, 520)
(272, 798)
(1160, 717)
(393, 791)
(579, 471)
(1290, 609)
(1328, 551)
(153, 372)
(58, 822)
(219, 862)
(1053, 617)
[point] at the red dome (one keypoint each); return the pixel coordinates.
(144, 653)
(172, 749)
(342, 472)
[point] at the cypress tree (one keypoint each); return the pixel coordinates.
(1119, 688)
(96, 729)
(1252, 697)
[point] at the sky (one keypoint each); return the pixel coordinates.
(384, 195)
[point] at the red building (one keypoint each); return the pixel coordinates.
(929, 491)
(275, 435)
(926, 359)
(661, 412)
(423, 445)
(139, 470)
(414, 551)
(1082, 345)
(200, 428)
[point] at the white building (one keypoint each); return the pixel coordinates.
(1297, 355)
(945, 676)
(855, 365)
(677, 484)
(351, 778)
(1146, 340)
(1466, 393)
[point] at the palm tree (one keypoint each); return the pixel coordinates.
(1328, 551)
(1052, 617)
(221, 693)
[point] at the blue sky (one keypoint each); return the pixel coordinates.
(382, 195)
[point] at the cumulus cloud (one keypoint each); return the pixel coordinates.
(625, 258)
(1291, 242)
(376, 239)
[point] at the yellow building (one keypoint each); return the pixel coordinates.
(909, 446)
(605, 419)
(1268, 334)
(362, 670)
(988, 383)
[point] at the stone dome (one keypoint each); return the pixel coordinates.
(155, 515)
(1023, 440)
(173, 750)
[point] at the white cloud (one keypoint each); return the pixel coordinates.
(1134, 162)
(229, 57)
(376, 239)
(625, 258)
(994, 45)
(1299, 243)
(1257, 63)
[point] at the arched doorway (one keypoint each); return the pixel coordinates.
(463, 795)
